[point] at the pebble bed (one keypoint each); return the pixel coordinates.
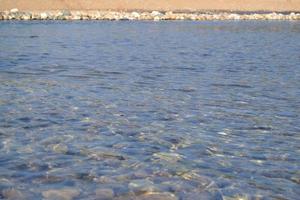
(15, 14)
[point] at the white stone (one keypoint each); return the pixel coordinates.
(135, 15)
(156, 13)
(156, 18)
(14, 10)
(234, 16)
(26, 17)
(44, 15)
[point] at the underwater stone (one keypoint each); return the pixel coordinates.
(141, 186)
(169, 157)
(61, 194)
(104, 194)
(12, 194)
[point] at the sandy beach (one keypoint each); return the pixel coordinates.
(148, 5)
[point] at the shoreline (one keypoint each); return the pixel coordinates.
(150, 5)
(15, 14)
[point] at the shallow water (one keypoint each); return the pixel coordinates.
(187, 110)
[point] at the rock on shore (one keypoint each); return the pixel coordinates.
(15, 14)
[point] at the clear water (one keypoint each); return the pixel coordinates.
(200, 110)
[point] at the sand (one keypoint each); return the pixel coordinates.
(147, 5)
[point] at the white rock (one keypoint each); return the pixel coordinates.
(44, 15)
(135, 15)
(14, 10)
(155, 13)
(156, 18)
(234, 16)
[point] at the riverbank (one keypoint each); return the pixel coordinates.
(150, 5)
(15, 14)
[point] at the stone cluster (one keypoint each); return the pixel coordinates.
(15, 14)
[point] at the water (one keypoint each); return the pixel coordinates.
(187, 110)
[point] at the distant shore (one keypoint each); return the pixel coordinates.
(15, 14)
(150, 5)
(150, 10)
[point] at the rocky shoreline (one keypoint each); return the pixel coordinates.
(15, 14)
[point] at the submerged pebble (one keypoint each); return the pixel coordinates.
(104, 194)
(61, 194)
(141, 186)
(12, 194)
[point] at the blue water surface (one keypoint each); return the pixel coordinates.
(180, 110)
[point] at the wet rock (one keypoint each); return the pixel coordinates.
(104, 194)
(141, 186)
(61, 194)
(12, 194)
(158, 196)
